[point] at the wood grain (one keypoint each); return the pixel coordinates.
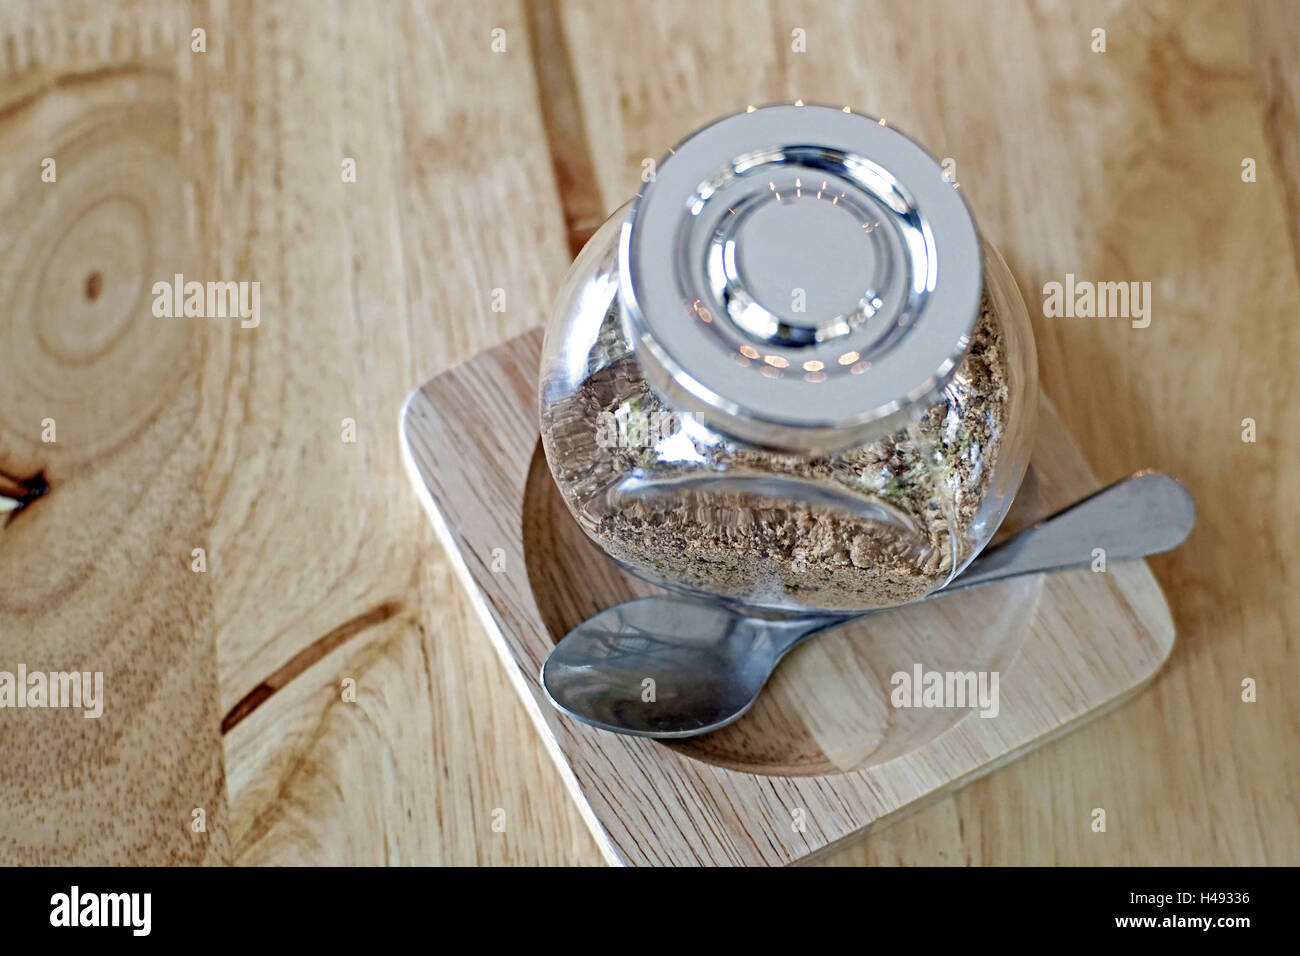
(375, 283)
(1122, 165)
(1273, 31)
(97, 572)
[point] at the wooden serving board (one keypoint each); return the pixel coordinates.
(823, 756)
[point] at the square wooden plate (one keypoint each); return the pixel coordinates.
(823, 756)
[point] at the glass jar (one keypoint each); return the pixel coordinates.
(790, 374)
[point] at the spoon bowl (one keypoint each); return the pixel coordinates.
(668, 666)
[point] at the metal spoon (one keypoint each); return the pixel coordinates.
(709, 662)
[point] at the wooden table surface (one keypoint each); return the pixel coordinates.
(482, 161)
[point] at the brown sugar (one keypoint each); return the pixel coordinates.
(907, 502)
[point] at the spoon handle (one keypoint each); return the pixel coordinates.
(1147, 513)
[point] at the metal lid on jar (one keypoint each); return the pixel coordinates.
(800, 276)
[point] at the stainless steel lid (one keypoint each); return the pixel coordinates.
(800, 276)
